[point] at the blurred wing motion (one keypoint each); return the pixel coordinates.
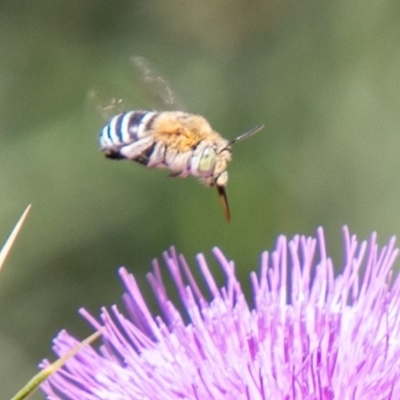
(179, 141)
(156, 85)
(105, 101)
(100, 105)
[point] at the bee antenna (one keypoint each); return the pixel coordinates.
(246, 135)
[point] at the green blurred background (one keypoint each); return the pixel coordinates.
(324, 77)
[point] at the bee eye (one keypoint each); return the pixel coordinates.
(207, 160)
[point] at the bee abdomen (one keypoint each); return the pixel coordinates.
(124, 129)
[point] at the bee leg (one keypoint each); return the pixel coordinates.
(182, 174)
(224, 201)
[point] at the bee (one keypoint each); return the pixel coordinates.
(178, 141)
(181, 142)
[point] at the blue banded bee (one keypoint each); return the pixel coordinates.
(181, 142)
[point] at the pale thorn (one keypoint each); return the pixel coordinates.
(39, 378)
(13, 235)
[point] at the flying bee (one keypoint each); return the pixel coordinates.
(181, 142)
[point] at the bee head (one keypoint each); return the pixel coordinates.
(211, 168)
(210, 161)
(212, 165)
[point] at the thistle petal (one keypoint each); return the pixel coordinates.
(308, 335)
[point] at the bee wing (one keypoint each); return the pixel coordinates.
(100, 107)
(156, 85)
(110, 99)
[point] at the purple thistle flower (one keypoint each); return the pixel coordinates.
(308, 335)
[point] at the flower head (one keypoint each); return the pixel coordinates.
(308, 334)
